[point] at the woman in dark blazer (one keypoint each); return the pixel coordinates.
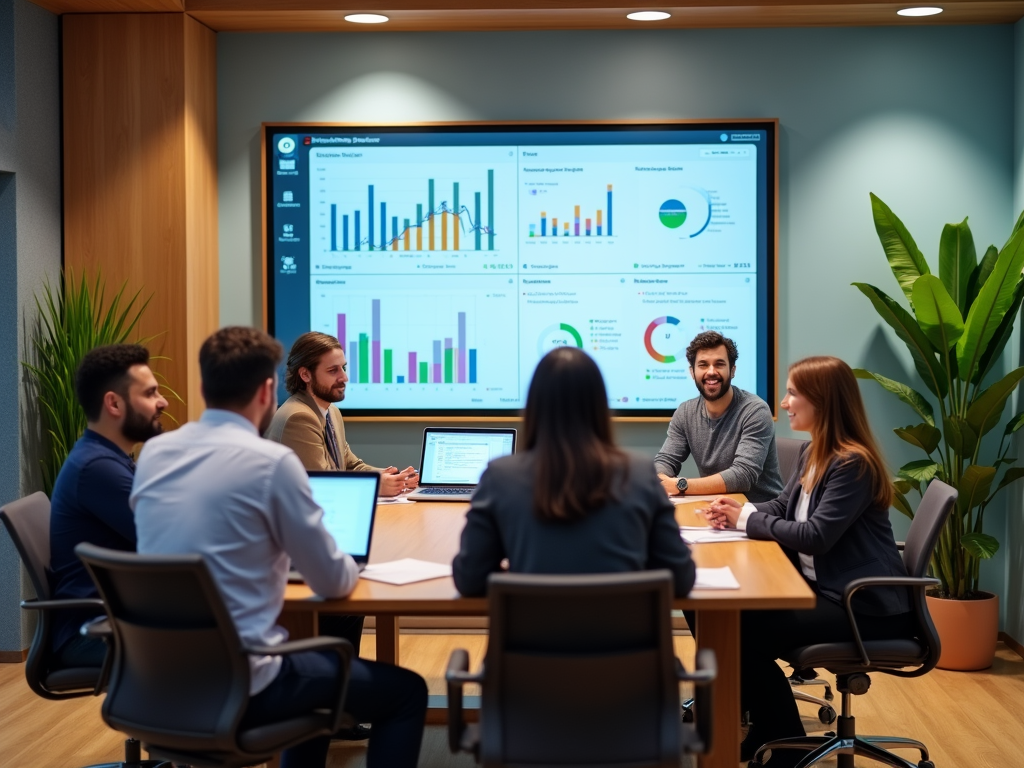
(572, 501)
(832, 519)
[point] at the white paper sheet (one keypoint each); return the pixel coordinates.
(407, 571)
(716, 578)
(692, 499)
(394, 500)
(708, 535)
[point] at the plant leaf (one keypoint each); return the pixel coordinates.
(905, 258)
(920, 471)
(960, 436)
(973, 486)
(1014, 424)
(899, 501)
(957, 261)
(924, 436)
(930, 368)
(987, 407)
(911, 397)
(904, 486)
(979, 545)
(990, 307)
(1010, 476)
(1002, 335)
(937, 313)
(981, 273)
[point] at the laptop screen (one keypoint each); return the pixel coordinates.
(460, 456)
(349, 501)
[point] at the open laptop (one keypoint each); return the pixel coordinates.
(349, 502)
(454, 458)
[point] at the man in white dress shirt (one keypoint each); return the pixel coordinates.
(216, 488)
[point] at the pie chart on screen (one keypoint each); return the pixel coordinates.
(672, 214)
(664, 339)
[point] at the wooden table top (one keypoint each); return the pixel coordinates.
(431, 530)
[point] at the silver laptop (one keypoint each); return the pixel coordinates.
(349, 502)
(454, 458)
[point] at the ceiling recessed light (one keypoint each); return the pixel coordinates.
(925, 11)
(648, 16)
(366, 18)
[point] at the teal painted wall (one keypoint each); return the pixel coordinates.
(922, 116)
(30, 249)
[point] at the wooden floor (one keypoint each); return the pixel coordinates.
(969, 720)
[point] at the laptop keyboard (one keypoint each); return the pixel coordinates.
(446, 491)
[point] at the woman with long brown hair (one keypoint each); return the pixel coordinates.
(832, 519)
(571, 501)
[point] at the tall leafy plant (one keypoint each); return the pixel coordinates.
(73, 319)
(956, 330)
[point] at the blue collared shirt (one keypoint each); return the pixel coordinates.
(90, 503)
(216, 488)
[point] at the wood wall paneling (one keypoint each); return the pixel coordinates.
(139, 185)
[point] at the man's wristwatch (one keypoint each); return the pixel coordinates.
(681, 484)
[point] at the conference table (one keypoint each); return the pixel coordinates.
(430, 531)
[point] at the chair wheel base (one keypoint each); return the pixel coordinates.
(826, 715)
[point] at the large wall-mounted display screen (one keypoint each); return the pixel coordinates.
(448, 259)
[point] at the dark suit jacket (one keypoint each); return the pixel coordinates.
(846, 533)
(299, 424)
(637, 532)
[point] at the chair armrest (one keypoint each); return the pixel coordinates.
(705, 672)
(51, 605)
(97, 628)
(877, 581)
(457, 675)
(345, 653)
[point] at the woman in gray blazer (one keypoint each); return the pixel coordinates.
(832, 519)
(572, 501)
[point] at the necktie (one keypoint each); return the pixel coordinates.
(332, 442)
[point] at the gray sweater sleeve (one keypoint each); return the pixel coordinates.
(756, 433)
(676, 448)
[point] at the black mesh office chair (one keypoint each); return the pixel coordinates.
(851, 662)
(580, 671)
(789, 459)
(27, 521)
(179, 681)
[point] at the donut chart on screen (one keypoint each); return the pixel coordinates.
(558, 335)
(649, 339)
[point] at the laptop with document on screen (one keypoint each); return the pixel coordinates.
(454, 458)
(349, 502)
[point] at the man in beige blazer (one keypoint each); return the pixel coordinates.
(309, 423)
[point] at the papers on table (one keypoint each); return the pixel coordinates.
(407, 571)
(696, 534)
(394, 500)
(693, 499)
(716, 578)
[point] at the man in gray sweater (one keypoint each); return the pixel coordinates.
(730, 432)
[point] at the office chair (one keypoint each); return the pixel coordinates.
(179, 680)
(580, 671)
(789, 459)
(851, 662)
(27, 521)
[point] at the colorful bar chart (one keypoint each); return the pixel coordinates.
(448, 224)
(601, 217)
(370, 362)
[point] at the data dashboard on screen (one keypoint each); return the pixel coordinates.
(448, 259)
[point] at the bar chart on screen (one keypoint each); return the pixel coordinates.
(422, 345)
(384, 201)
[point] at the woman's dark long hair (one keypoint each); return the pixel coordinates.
(569, 429)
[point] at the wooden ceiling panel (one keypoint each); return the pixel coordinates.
(481, 15)
(111, 6)
(775, 13)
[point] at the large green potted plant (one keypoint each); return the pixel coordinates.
(956, 330)
(73, 318)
